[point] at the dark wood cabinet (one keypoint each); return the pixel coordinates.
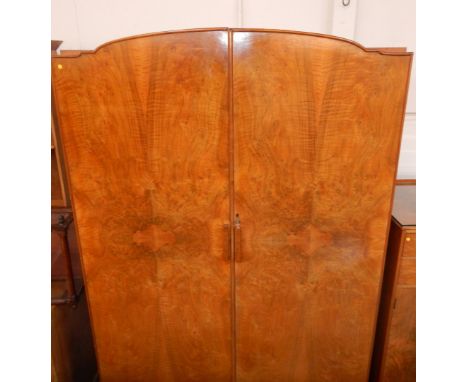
(395, 345)
(67, 280)
(73, 358)
(232, 193)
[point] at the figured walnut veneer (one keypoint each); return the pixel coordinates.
(169, 137)
(395, 344)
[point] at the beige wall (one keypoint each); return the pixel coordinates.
(85, 24)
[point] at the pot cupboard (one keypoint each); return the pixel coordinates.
(395, 342)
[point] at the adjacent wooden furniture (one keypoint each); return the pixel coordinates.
(395, 345)
(232, 193)
(73, 358)
(59, 188)
(67, 280)
(66, 271)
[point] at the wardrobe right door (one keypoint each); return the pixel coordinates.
(317, 127)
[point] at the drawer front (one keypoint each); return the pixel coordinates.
(400, 360)
(409, 246)
(407, 272)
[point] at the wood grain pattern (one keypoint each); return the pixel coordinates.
(395, 244)
(409, 247)
(59, 182)
(400, 364)
(169, 137)
(144, 125)
(72, 357)
(317, 125)
(55, 186)
(407, 274)
(394, 356)
(59, 263)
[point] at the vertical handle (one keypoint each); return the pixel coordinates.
(237, 239)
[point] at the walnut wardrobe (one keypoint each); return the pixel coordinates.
(232, 191)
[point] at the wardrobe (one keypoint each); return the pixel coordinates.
(232, 192)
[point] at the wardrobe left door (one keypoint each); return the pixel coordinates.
(144, 123)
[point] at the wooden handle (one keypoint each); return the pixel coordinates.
(237, 239)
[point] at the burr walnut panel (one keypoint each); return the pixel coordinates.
(145, 132)
(232, 194)
(394, 357)
(317, 134)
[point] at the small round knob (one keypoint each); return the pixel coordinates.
(408, 239)
(59, 66)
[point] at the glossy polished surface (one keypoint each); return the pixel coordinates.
(317, 133)
(401, 354)
(169, 137)
(144, 124)
(395, 344)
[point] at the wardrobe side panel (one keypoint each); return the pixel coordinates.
(317, 126)
(145, 129)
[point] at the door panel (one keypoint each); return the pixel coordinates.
(400, 359)
(317, 126)
(145, 129)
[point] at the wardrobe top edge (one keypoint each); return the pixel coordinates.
(79, 53)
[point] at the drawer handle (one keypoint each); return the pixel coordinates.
(408, 239)
(237, 239)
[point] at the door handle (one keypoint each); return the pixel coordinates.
(237, 239)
